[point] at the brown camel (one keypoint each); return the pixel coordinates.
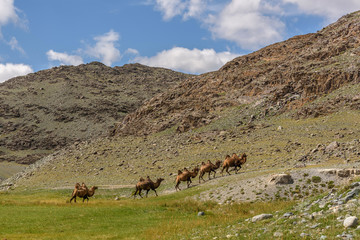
(83, 192)
(233, 161)
(208, 168)
(186, 175)
(147, 185)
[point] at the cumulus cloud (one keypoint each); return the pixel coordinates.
(247, 23)
(105, 48)
(64, 58)
(330, 9)
(10, 70)
(187, 60)
(7, 12)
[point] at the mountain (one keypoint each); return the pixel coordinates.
(290, 105)
(284, 76)
(50, 109)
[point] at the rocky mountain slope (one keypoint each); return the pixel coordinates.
(50, 109)
(282, 76)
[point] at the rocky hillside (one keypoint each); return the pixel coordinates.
(282, 76)
(47, 110)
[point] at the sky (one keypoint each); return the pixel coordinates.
(191, 36)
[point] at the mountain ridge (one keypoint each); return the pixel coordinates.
(284, 75)
(49, 109)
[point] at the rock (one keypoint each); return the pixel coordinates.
(350, 222)
(353, 193)
(280, 128)
(288, 214)
(332, 146)
(281, 179)
(117, 198)
(344, 173)
(278, 234)
(261, 217)
(304, 235)
(201, 214)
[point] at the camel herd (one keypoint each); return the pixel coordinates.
(147, 184)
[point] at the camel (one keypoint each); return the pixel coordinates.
(208, 167)
(186, 175)
(83, 192)
(233, 161)
(147, 185)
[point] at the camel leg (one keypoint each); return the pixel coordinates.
(155, 192)
(214, 172)
(209, 175)
(189, 182)
(147, 191)
(74, 197)
(227, 170)
(140, 193)
(136, 191)
(177, 186)
(201, 176)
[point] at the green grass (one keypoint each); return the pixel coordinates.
(45, 214)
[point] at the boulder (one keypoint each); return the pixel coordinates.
(281, 179)
(261, 217)
(350, 222)
(332, 146)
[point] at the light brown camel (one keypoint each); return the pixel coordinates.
(147, 185)
(186, 175)
(83, 192)
(233, 161)
(208, 168)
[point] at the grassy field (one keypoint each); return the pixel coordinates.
(47, 214)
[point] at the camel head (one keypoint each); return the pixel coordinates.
(218, 163)
(94, 188)
(243, 156)
(195, 171)
(160, 180)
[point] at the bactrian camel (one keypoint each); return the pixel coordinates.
(147, 185)
(208, 168)
(83, 192)
(186, 175)
(233, 161)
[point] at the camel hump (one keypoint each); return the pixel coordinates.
(227, 156)
(141, 179)
(179, 172)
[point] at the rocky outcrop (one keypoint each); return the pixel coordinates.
(282, 76)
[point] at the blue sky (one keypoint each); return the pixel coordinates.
(193, 36)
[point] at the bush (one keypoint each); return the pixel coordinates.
(316, 179)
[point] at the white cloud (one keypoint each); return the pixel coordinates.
(104, 48)
(330, 9)
(245, 23)
(14, 44)
(186, 60)
(64, 58)
(10, 70)
(7, 12)
(187, 9)
(132, 51)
